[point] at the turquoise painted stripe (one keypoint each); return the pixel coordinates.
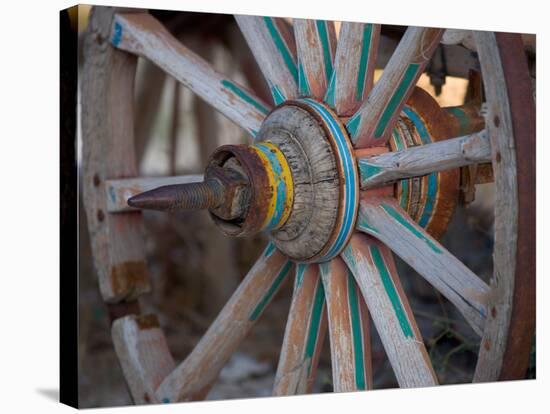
(350, 179)
(300, 270)
(327, 55)
(391, 292)
(330, 95)
(368, 170)
(363, 62)
(347, 255)
(357, 332)
(315, 322)
(405, 223)
(397, 97)
(303, 83)
(117, 34)
(353, 124)
(404, 199)
(245, 96)
(278, 96)
(432, 178)
(270, 248)
(270, 292)
(282, 47)
(280, 191)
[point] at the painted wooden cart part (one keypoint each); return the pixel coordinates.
(373, 122)
(272, 43)
(388, 222)
(506, 343)
(203, 364)
(304, 334)
(316, 45)
(374, 270)
(457, 152)
(348, 323)
(349, 181)
(108, 152)
(354, 65)
(119, 191)
(280, 180)
(143, 35)
(143, 353)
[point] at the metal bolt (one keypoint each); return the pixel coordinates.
(192, 196)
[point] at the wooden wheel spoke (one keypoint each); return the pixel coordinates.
(384, 169)
(304, 334)
(388, 222)
(374, 270)
(143, 353)
(354, 64)
(201, 367)
(273, 46)
(372, 123)
(348, 322)
(315, 44)
(117, 192)
(143, 35)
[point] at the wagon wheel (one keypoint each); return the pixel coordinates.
(340, 175)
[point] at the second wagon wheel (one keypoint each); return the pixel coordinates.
(341, 174)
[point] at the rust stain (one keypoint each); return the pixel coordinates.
(146, 322)
(128, 277)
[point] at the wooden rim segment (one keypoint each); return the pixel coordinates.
(509, 329)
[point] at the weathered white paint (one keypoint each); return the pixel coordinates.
(383, 169)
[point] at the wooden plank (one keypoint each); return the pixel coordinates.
(372, 124)
(118, 192)
(202, 366)
(354, 66)
(348, 321)
(384, 169)
(274, 48)
(304, 334)
(143, 354)
(143, 35)
(374, 270)
(384, 219)
(316, 45)
(108, 152)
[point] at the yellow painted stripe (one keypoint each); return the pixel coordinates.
(286, 176)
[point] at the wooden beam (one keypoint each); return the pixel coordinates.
(374, 270)
(316, 45)
(304, 334)
(272, 43)
(202, 366)
(384, 169)
(372, 123)
(119, 191)
(384, 219)
(143, 354)
(143, 35)
(108, 151)
(348, 321)
(354, 66)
